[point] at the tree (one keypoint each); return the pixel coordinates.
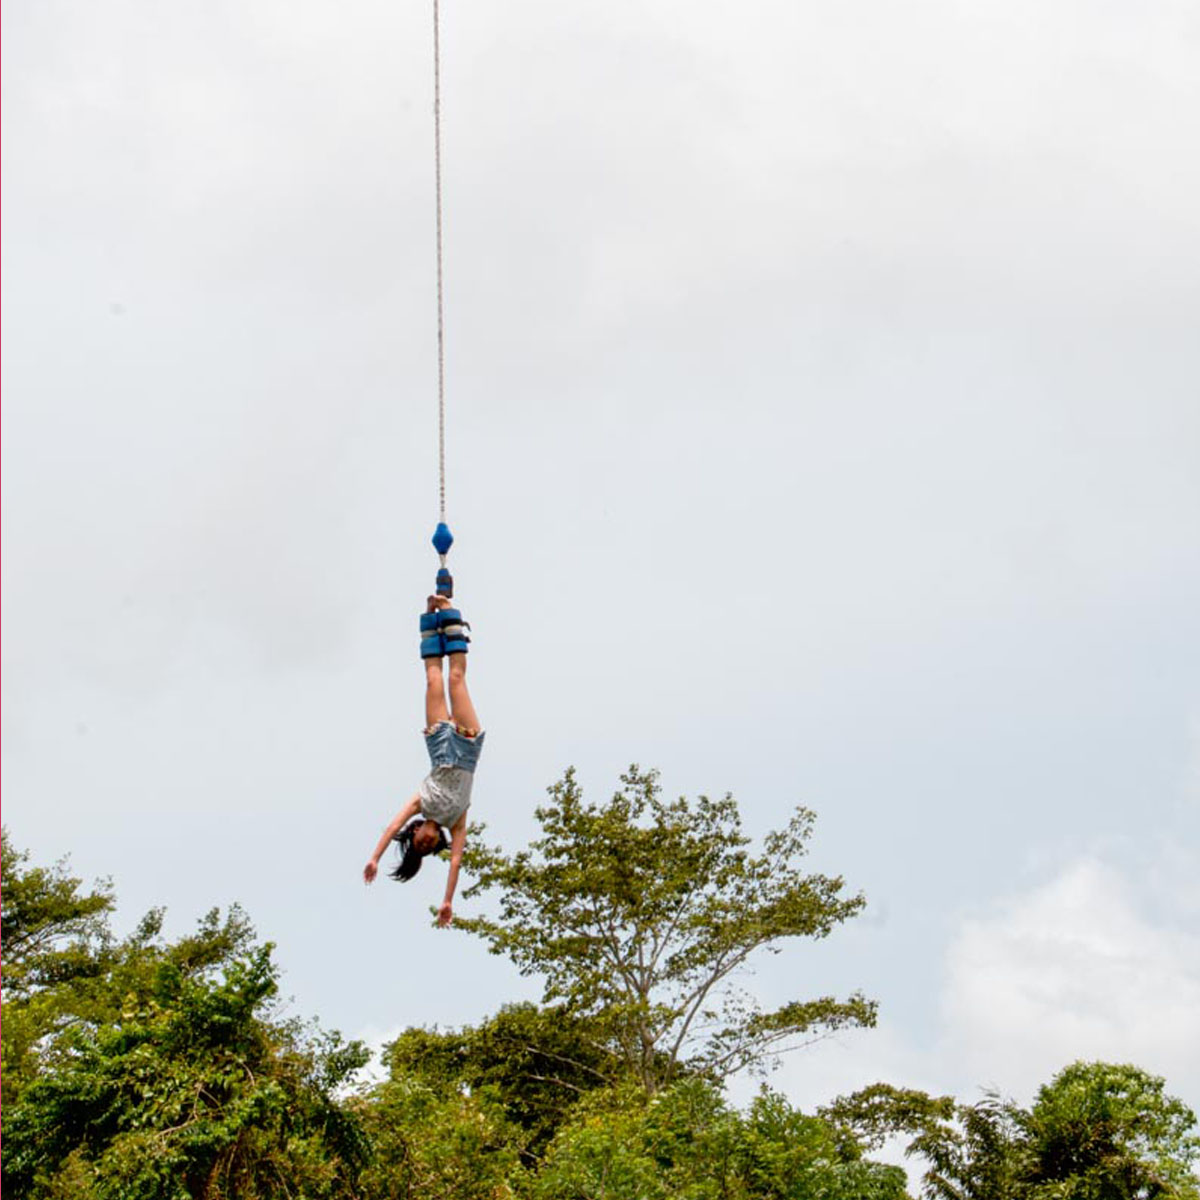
(788, 1154)
(51, 932)
(982, 1158)
(432, 1144)
(880, 1111)
(973, 1151)
(63, 968)
(686, 1143)
(56, 944)
(160, 1071)
(641, 914)
(190, 1094)
(1105, 1131)
(1097, 1131)
(535, 1063)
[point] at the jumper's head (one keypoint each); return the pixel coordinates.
(417, 840)
(428, 838)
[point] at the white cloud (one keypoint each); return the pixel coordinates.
(1074, 969)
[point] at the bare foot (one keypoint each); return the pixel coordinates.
(437, 603)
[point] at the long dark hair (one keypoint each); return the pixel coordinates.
(410, 856)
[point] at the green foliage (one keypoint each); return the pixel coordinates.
(983, 1157)
(64, 969)
(190, 1093)
(535, 1063)
(603, 1155)
(55, 942)
(155, 1070)
(1102, 1131)
(789, 1154)
(430, 1142)
(686, 1143)
(880, 1111)
(51, 932)
(640, 914)
(1097, 1131)
(147, 1069)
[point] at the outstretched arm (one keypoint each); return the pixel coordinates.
(458, 839)
(397, 823)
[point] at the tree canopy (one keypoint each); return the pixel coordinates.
(52, 932)
(642, 913)
(1109, 1131)
(1096, 1131)
(536, 1063)
(143, 1069)
(148, 1068)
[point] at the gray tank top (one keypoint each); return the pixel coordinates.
(446, 794)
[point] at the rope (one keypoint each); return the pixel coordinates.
(441, 324)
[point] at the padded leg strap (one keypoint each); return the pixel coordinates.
(454, 631)
(432, 642)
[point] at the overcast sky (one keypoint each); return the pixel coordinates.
(824, 427)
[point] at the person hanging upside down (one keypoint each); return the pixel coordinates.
(436, 817)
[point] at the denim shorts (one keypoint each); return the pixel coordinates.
(449, 748)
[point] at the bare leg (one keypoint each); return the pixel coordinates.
(465, 716)
(435, 693)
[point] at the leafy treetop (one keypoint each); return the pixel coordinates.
(642, 913)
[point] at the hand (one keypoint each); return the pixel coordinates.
(445, 915)
(370, 871)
